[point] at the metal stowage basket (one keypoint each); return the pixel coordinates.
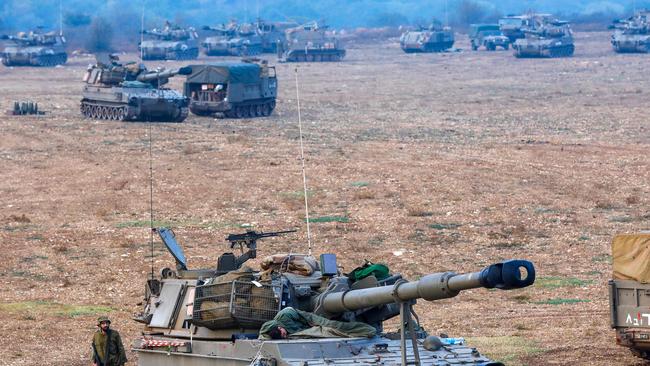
(234, 304)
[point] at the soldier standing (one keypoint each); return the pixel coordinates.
(107, 345)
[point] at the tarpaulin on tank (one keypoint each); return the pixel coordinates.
(220, 73)
(631, 257)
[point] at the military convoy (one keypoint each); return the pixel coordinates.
(434, 38)
(233, 90)
(208, 316)
(34, 49)
(170, 43)
(129, 92)
(310, 43)
(232, 39)
(488, 36)
(632, 34)
(545, 38)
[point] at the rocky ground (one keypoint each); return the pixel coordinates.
(427, 162)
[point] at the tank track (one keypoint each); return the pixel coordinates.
(430, 47)
(251, 110)
(41, 61)
(314, 57)
(555, 52)
(249, 51)
(189, 54)
(121, 112)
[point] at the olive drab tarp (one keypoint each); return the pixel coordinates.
(302, 324)
(631, 257)
(221, 73)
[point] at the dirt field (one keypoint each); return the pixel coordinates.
(426, 162)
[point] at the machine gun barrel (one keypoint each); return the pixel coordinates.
(165, 74)
(252, 236)
(506, 275)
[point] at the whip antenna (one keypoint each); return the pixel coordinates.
(142, 31)
(151, 199)
(302, 160)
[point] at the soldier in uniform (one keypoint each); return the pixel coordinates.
(107, 346)
(290, 322)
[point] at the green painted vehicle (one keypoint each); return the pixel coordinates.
(488, 36)
(632, 35)
(34, 49)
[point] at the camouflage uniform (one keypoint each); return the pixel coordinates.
(108, 346)
(301, 324)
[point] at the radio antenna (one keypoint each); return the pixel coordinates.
(60, 19)
(302, 160)
(151, 199)
(142, 30)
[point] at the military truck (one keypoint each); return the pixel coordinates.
(232, 39)
(310, 42)
(209, 316)
(130, 92)
(632, 34)
(488, 36)
(434, 38)
(629, 292)
(234, 90)
(172, 42)
(272, 33)
(552, 39)
(34, 49)
(512, 26)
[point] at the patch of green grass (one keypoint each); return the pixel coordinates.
(297, 194)
(145, 223)
(622, 219)
(359, 184)
(27, 274)
(544, 210)
(507, 349)
(508, 245)
(52, 308)
(602, 258)
(560, 301)
(35, 237)
(172, 224)
(584, 238)
(32, 258)
(343, 219)
(449, 226)
(557, 282)
(593, 273)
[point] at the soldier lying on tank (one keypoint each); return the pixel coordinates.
(292, 323)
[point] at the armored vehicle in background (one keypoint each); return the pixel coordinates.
(435, 38)
(235, 90)
(210, 316)
(233, 40)
(130, 92)
(632, 34)
(629, 292)
(512, 26)
(170, 43)
(310, 43)
(546, 39)
(488, 36)
(272, 33)
(34, 49)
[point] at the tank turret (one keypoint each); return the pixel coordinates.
(217, 312)
(545, 37)
(34, 49)
(170, 42)
(632, 34)
(232, 39)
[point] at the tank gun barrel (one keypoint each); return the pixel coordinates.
(165, 74)
(507, 275)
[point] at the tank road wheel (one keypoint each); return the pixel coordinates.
(239, 112)
(272, 106)
(93, 111)
(252, 111)
(259, 110)
(120, 114)
(266, 109)
(309, 58)
(105, 113)
(113, 111)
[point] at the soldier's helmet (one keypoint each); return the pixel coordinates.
(102, 319)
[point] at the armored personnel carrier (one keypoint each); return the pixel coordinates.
(170, 43)
(310, 43)
(232, 40)
(271, 33)
(488, 36)
(34, 49)
(434, 38)
(210, 316)
(234, 90)
(628, 292)
(632, 34)
(129, 92)
(546, 39)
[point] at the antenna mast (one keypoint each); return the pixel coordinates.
(142, 32)
(302, 160)
(60, 19)
(151, 199)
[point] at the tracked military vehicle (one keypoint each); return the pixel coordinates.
(271, 33)
(512, 26)
(34, 49)
(488, 36)
(232, 40)
(234, 90)
(170, 43)
(546, 39)
(210, 316)
(113, 91)
(632, 34)
(434, 38)
(310, 43)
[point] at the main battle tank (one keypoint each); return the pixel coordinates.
(170, 43)
(512, 26)
(435, 38)
(632, 34)
(547, 39)
(210, 316)
(309, 43)
(34, 49)
(130, 92)
(233, 40)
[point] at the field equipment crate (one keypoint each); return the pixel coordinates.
(235, 304)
